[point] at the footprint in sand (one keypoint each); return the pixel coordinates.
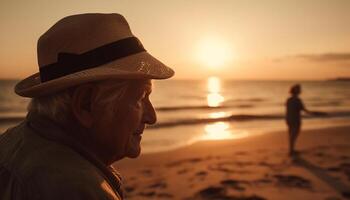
(160, 185)
(221, 169)
(155, 194)
(346, 169)
(230, 167)
(243, 163)
(320, 154)
(262, 181)
(293, 181)
(333, 169)
(234, 184)
(129, 189)
(180, 162)
(182, 171)
(212, 192)
(201, 173)
(147, 194)
(217, 193)
(332, 198)
(343, 167)
(165, 195)
(147, 172)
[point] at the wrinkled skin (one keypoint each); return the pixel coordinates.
(114, 124)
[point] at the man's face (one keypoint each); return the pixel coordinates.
(119, 122)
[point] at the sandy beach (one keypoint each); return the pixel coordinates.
(254, 168)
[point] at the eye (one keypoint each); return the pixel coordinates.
(146, 94)
(142, 96)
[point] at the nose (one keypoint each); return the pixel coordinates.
(150, 116)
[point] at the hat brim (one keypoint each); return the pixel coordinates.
(138, 66)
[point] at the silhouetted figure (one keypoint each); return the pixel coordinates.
(293, 116)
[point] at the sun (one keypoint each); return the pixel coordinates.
(213, 52)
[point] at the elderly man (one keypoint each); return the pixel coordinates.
(90, 104)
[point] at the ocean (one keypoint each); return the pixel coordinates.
(189, 111)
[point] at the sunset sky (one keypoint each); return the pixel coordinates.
(261, 39)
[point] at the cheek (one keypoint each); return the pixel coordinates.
(133, 115)
(107, 128)
(127, 120)
(104, 127)
(116, 126)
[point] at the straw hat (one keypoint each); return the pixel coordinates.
(89, 47)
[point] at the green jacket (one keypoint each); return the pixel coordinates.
(39, 161)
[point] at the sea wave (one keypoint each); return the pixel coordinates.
(329, 103)
(201, 107)
(247, 100)
(193, 121)
(242, 117)
(11, 119)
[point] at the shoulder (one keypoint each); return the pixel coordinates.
(59, 184)
(298, 101)
(290, 100)
(68, 180)
(293, 100)
(49, 170)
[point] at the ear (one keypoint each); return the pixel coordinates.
(82, 104)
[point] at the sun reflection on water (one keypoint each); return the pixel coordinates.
(217, 131)
(221, 131)
(215, 115)
(214, 98)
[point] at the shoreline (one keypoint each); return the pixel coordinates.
(261, 137)
(249, 131)
(249, 168)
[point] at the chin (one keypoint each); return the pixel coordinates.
(134, 153)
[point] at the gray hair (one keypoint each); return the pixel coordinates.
(57, 107)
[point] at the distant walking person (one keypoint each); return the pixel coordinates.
(293, 117)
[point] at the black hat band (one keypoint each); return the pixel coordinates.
(68, 63)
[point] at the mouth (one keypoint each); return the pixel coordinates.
(139, 131)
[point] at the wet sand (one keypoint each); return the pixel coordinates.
(253, 168)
